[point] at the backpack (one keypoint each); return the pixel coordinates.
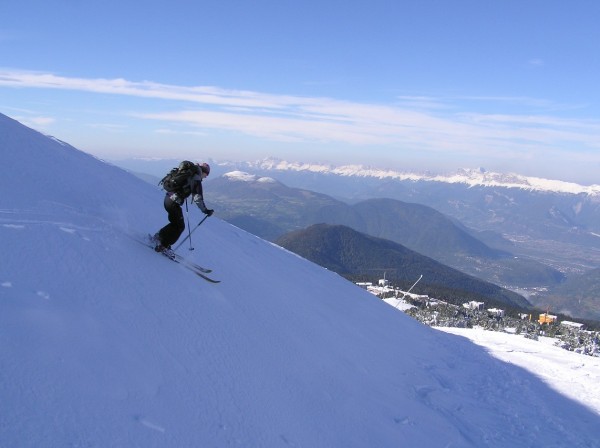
(178, 179)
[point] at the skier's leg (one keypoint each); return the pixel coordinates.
(170, 233)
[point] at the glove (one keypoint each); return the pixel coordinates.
(209, 212)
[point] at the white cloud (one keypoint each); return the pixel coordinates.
(417, 123)
(36, 122)
(147, 89)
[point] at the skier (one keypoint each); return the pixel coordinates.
(170, 233)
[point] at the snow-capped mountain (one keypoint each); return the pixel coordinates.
(470, 177)
(105, 343)
(241, 176)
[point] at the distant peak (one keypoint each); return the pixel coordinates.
(242, 176)
(470, 177)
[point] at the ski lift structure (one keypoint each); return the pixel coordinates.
(409, 290)
(384, 284)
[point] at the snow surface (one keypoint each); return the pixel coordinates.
(571, 374)
(104, 343)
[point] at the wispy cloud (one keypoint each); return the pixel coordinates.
(148, 89)
(411, 123)
(423, 102)
(166, 131)
(37, 122)
(536, 62)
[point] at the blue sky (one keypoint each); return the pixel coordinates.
(509, 85)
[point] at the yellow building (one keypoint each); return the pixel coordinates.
(547, 318)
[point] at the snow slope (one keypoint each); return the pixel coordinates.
(572, 374)
(105, 343)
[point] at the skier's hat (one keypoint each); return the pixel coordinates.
(205, 168)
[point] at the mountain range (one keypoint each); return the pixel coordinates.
(270, 209)
(555, 222)
(470, 177)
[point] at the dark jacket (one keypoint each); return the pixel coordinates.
(195, 190)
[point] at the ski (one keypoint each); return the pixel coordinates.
(205, 277)
(149, 242)
(188, 265)
(191, 266)
(191, 263)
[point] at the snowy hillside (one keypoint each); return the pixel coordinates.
(105, 343)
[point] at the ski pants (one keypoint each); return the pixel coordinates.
(170, 233)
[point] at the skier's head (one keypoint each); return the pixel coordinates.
(204, 169)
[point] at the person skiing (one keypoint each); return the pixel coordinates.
(191, 185)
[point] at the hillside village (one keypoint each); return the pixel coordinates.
(569, 335)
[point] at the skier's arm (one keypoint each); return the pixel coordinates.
(199, 199)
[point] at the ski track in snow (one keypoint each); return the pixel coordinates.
(14, 226)
(148, 424)
(43, 294)
(69, 228)
(32, 224)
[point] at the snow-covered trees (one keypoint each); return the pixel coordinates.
(442, 314)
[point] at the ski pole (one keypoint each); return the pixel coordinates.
(185, 239)
(187, 214)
